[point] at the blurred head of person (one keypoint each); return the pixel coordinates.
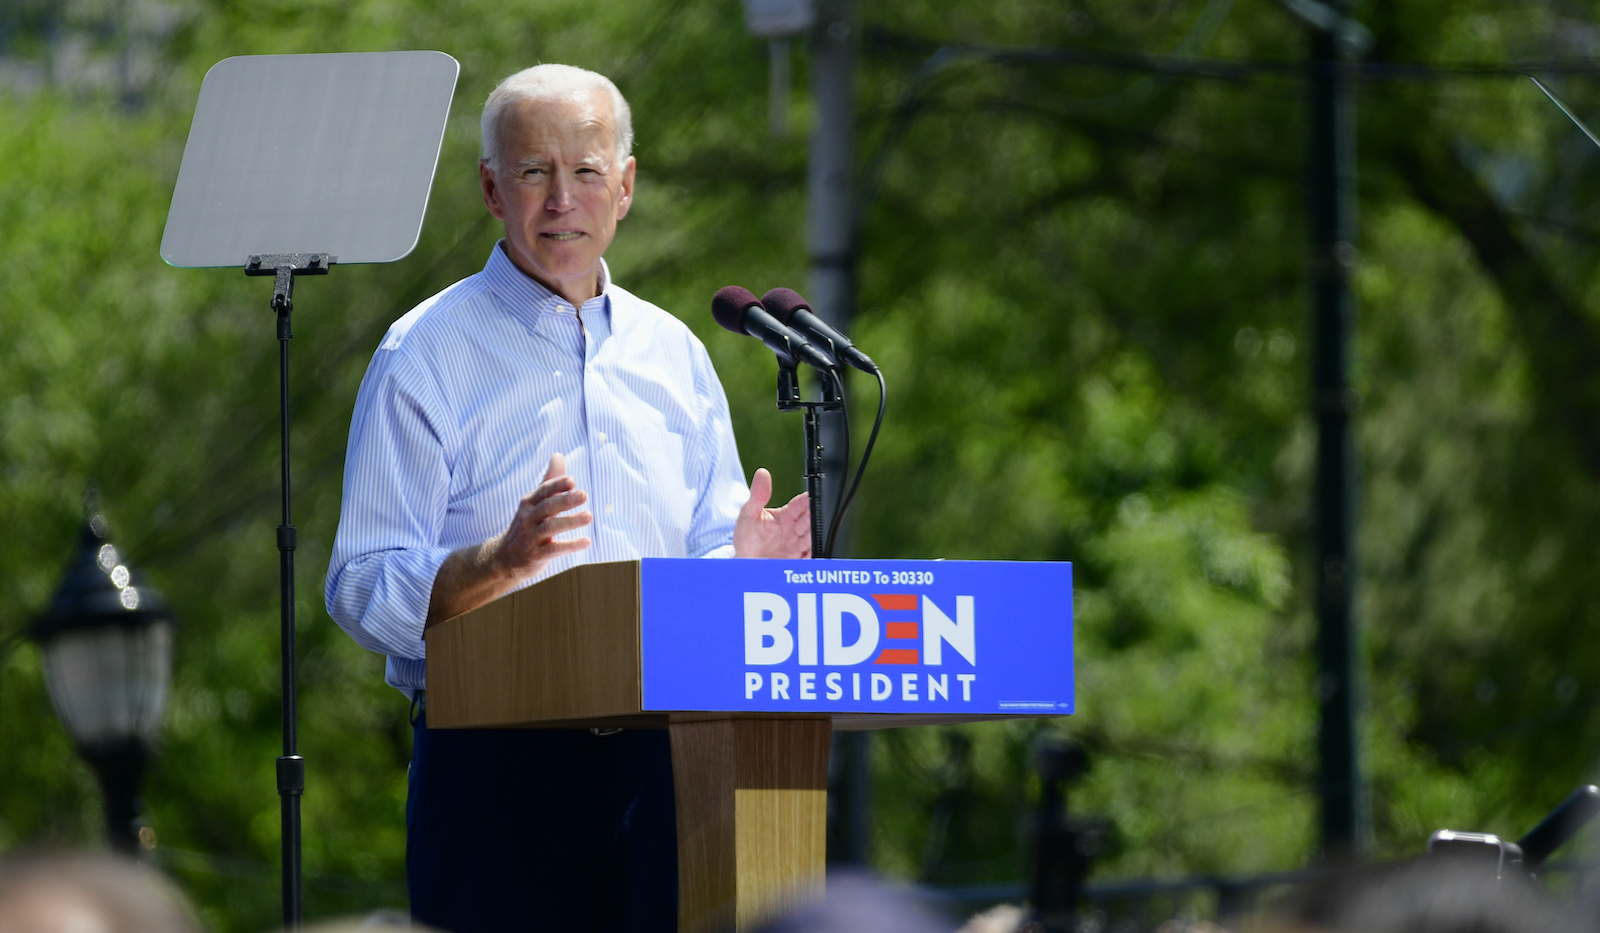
(855, 903)
(1424, 896)
(557, 169)
(376, 922)
(88, 893)
(1002, 918)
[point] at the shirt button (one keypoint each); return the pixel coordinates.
(558, 374)
(601, 437)
(609, 507)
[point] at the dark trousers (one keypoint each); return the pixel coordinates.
(541, 829)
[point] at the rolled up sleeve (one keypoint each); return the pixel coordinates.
(396, 491)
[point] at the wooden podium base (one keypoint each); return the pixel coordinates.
(752, 799)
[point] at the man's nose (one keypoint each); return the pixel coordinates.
(559, 195)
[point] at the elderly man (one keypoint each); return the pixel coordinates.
(538, 373)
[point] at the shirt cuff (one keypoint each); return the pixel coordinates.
(384, 600)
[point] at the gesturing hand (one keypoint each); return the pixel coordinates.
(530, 542)
(484, 572)
(762, 532)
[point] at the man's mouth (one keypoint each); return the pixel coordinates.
(563, 235)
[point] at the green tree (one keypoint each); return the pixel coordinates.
(1086, 286)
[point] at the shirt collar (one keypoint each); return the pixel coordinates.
(529, 300)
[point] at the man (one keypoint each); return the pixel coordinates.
(539, 362)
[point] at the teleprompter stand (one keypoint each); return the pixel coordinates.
(791, 399)
(263, 180)
(291, 767)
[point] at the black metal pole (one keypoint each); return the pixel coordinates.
(831, 243)
(283, 267)
(849, 798)
(790, 399)
(291, 767)
(814, 478)
(119, 768)
(1062, 847)
(1332, 209)
(1581, 806)
(830, 209)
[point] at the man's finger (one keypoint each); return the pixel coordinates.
(561, 524)
(548, 488)
(558, 467)
(796, 514)
(557, 548)
(556, 504)
(760, 493)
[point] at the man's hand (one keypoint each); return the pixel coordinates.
(764, 532)
(523, 549)
(484, 572)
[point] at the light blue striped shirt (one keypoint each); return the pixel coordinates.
(464, 402)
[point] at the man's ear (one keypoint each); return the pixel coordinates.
(626, 200)
(491, 190)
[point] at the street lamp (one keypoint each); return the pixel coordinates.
(778, 21)
(106, 642)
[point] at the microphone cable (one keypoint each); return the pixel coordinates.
(844, 478)
(866, 456)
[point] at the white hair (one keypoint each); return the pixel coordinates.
(546, 82)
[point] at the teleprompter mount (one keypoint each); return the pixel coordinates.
(262, 180)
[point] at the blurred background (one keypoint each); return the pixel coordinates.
(1086, 273)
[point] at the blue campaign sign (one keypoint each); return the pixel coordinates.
(857, 636)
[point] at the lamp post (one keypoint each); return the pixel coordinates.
(106, 643)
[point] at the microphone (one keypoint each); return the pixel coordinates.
(738, 309)
(790, 307)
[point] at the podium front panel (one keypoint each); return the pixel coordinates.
(846, 638)
(868, 644)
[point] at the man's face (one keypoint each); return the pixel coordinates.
(559, 189)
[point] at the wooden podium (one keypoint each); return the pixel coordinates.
(750, 786)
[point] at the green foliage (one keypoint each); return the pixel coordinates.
(1086, 288)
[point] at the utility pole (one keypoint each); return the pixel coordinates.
(830, 242)
(1345, 819)
(830, 197)
(831, 248)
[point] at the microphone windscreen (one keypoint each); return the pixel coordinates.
(728, 306)
(782, 303)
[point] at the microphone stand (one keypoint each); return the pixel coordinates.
(790, 399)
